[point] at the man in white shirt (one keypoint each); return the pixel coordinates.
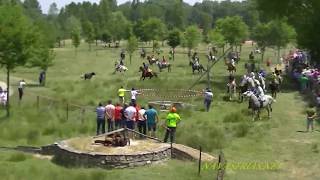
(110, 115)
(134, 94)
(142, 125)
(208, 96)
(130, 114)
(22, 83)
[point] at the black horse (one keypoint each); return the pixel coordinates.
(88, 76)
(197, 67)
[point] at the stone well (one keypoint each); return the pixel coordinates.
(82, 152)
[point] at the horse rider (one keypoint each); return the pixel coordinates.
(259, 93)
(146, 68)
(163, 62)
(232, 62)
(122, 55)
(261, 80)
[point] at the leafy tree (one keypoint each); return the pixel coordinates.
(53, 9)
(89, 33)
(174, 40)
(106, 37)
(132, 46)
(216, 39)
(18, 41)
(281, 34)
(192, 37)
(261, 34)
(76, 38)
(303, 15)
(154, 29)
(120, 26)
(233, 29)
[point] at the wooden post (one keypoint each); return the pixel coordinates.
(82, 115)
(221, 166)
(38, 102)
(171, 149)
(67, 113)
(199, 166)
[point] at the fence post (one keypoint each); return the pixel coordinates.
(221, 166)
(171, 149)
(82, 114)
(67, 113)
(199, 167)
(38, 102)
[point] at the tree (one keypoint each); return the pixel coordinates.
(120, 26)
(303, 15)
(18, 41)
(53, 9)
(106, 37)
(261, 34)
(281, 34)
(132, 45)
(192, 37)
(174, 40)
(154, 29)
(216, 39)
(234, 30)
(76, 39)
(89, 33)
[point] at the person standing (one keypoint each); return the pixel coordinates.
(151, 115)
(22, 83)
(208, 96)
(121, 93)
(101, 111)
(118, 116)
(142, 126)
(311, 115)
(172, 120)
(110, 109)
(130, 114)
(134, 94)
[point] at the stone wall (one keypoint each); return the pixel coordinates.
(69, 157)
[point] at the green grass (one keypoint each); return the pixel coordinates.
(227, 126)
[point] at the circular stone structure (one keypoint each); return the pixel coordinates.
(83, 152)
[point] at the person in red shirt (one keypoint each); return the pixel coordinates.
(118, 116)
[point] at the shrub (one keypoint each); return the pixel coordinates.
(234, 117)
(17, 157)
(241, 129)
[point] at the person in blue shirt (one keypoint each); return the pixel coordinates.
(151, 115)
(101, 121)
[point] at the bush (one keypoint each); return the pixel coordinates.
(32, 136)
(17, 157)
(234, 117)
(241, 129)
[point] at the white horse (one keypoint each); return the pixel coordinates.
(120, 68)
(257, 105)
(232, 90)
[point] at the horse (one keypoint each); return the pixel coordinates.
(120, 68)
(88, 75)
(232, 90)
(197, 67)
(152, 60)
(146, 74)
(231, 68)
(163, 66)
(256, 105)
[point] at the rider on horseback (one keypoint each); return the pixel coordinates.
(259, 93)
(146, 68)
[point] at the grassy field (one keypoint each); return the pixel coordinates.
(226, 127)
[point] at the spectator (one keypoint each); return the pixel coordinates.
(208, 95)
(101, 111)
(311, 115)
(303, 82)
(121, 93)
(22, 83)
(171, 124)
(142, 126)
(130, 114)
(118, 116)
(151, 115)
(110, 109)
(134, 94)
(123, 116)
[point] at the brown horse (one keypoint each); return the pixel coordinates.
(145, 74)
(231, 68)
